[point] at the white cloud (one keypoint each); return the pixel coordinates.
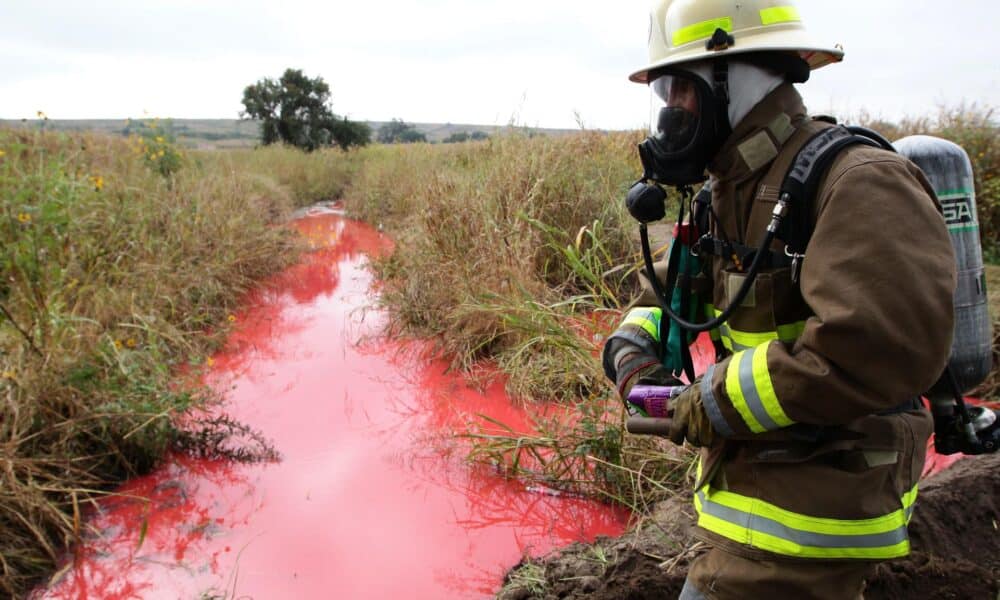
(447, 60)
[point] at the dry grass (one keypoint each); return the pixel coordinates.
(118, 272)
(504, 248)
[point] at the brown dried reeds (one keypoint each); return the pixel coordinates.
(116, 278)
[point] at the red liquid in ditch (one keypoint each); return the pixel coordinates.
(371, 499)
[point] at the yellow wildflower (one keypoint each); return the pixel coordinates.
(231, 318)
(98, 182)
(2, 153)
(7, 375)
(118, 344)
(160, 154)
(210, 361)
(24, 217)
(159, 139)
(130, 343)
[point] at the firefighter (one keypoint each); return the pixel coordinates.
(811, 430)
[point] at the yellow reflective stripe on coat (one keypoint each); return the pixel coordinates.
(779, 14)
(751, 392)
(702, 30)
(646, 318)
(763, 525)
(735, 340)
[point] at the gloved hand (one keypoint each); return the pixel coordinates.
(689, 420)
(644, 369)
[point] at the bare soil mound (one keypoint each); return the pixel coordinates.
(954, 534)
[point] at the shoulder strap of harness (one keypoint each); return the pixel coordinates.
(801, 183)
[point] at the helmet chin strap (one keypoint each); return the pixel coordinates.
(720, 82)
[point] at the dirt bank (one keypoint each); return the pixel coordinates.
(956, 550)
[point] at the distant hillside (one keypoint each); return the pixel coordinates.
(235, 133)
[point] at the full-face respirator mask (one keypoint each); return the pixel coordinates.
(688, 124)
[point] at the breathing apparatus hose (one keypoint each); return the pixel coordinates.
(741, 294)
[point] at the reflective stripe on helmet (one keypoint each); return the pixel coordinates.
(779, 14)
(701, 31)
(749, 387)
(763, 525)
(646, 318)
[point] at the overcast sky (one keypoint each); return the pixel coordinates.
(536, 62)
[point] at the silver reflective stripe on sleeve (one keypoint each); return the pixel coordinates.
(712, 405)
(749, 387)
(641, 342)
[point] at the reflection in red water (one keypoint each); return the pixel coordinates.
(371, 499)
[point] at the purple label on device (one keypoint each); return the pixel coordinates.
(654, 399)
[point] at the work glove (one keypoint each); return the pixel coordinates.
(644, 369)
(689, 420)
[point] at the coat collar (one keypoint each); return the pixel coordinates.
(757, 139)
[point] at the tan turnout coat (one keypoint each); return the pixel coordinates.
(868, 327)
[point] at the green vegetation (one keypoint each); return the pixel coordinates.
(119, 274)
(398, 131)
(464, 136)
(295, 110)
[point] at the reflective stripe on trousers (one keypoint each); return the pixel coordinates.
(762, 525)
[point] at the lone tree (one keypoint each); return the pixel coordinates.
(296, 110)
(398, 131)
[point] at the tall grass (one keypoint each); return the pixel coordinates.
(517, 250)
(503, 245)
(286, 173)
(116, 277)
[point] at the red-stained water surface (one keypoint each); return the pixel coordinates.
(371, 498)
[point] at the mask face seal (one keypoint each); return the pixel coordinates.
(687, 126)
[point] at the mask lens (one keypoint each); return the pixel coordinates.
(674, 111)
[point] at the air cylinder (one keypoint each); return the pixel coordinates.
(949, 171)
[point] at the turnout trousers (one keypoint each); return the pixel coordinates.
(719, 575)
